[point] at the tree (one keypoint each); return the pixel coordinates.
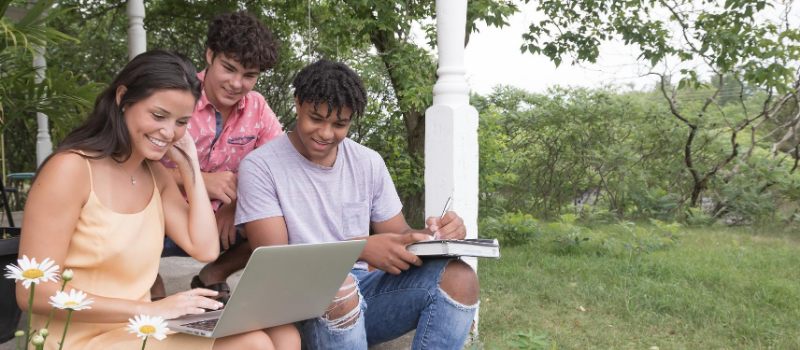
(61, 95)
(374, 36)
(408, 67)
(730, 38)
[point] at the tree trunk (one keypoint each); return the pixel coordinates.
(414, 204)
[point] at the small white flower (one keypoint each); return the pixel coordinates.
(37, 340)
(145, 326)
(73, 300)
(67, 275)
(29, 271)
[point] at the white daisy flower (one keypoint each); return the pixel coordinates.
(145, 326)
(29, 271)
(74, 301)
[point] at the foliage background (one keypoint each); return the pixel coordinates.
(715, 142)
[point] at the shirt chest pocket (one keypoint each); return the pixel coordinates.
(355, 219)
(241, 140)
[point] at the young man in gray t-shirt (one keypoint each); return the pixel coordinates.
(316, 185)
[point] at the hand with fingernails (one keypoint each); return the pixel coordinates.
(191, 302)
(448, 226)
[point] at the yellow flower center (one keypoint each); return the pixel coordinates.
(147, 329)
(32, 273)
(70, 303)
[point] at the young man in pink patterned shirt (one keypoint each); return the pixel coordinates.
(228, 122)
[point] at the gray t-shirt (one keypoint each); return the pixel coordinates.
(319, 204)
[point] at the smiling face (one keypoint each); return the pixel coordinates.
(227, 81)
(156, 122)
(316, 136)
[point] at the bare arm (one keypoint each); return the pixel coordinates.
(386, 249)
(47, 232)
(267, 232)
(191, 225)
(220, 185)
(175, 173)
(452, 226)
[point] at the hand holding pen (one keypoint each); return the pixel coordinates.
(441, 217)
(448, 225)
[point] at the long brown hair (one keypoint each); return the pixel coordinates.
(104, 131)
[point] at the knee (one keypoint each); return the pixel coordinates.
(460, 282)
(345, 309)
(255, 340)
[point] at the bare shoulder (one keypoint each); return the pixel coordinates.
(65, 175)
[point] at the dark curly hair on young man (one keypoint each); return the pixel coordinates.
(333, 83)
(241, 37)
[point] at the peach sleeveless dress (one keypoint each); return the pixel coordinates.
(115, 255)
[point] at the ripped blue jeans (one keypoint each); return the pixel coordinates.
(393, 305)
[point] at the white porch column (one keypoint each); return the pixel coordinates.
(451, 126)
(44, 145)
(137, 37)
(451, 129)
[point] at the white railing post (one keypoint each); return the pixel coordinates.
(137, 37)
(451, 126)
(44, 144)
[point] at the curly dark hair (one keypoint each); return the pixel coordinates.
(333, 83)
(243, 38)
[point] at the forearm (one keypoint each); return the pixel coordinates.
(202, 223)
(175, 173)
(103, 309)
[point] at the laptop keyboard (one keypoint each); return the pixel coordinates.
(204, 325)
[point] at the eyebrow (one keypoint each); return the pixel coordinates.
(168, 113)
(231, 66)
(164, 110)
(338, 119)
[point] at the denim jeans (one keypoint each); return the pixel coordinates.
(393, 305)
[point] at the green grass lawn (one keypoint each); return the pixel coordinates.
(715, 289)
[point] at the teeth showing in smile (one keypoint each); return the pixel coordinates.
(158, 143)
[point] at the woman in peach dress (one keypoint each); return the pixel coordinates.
(102, 203)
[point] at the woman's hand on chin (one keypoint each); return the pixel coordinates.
(185, 144)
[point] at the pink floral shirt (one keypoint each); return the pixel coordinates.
(251, 124)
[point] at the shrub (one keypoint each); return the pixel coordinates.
(511, 228)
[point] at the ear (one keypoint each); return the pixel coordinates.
(296, 106)
(121, 90)
(209, 56)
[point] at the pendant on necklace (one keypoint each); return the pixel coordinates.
(133, 181)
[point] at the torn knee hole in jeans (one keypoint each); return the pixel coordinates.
(458, 305)
(342, 301)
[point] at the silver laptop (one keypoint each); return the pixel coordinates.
(279, 285)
